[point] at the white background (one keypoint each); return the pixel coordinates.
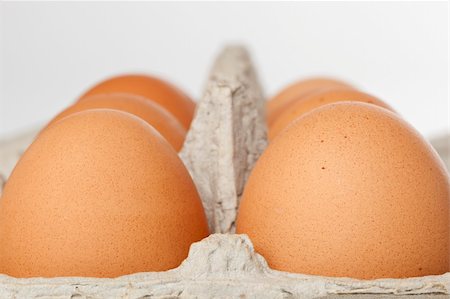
(52, 52)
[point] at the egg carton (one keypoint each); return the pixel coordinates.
(226, 137)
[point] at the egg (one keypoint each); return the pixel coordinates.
(295, 91)
(101, 194)
(317, 99)
(157, 90)
(163, 121)
(349, 189)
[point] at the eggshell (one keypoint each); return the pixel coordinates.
(295, 91)
(349, 189)
(317, 99)
(157, 90)
(163, 121)
(101, 194)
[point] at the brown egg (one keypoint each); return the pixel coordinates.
(352, 190)
(163, 121)
(296, 91)
(159, 91)
(99, 193)
(317, 99)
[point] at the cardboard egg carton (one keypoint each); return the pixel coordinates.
(227, 136)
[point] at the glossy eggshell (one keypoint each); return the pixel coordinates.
(287, 96)
(163, 121)
(351, 190)
(157, 90)
(100, 194)
(317, 99)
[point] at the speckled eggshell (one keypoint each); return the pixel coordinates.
(163, 121)
(100, 194)
(157, 90)
(317, 99)
(296, 91)
(352, 190)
